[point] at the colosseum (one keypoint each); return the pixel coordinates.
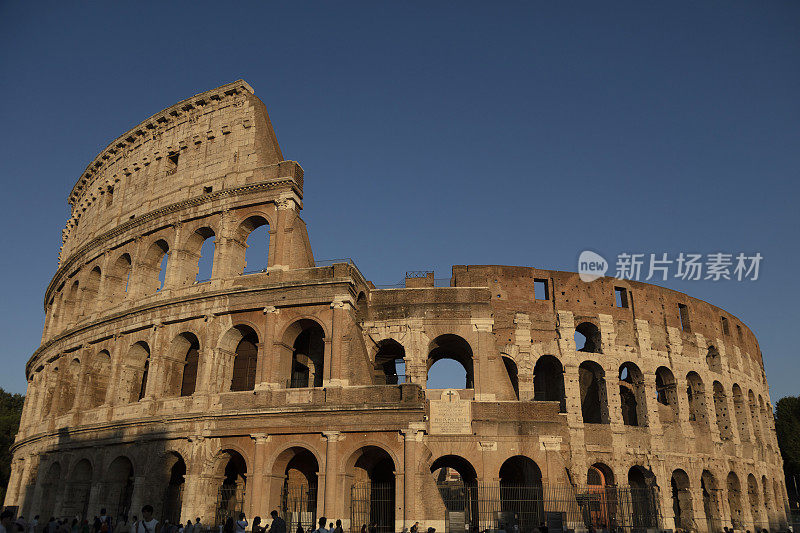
(277, 381)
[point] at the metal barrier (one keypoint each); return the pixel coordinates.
(299, 507)
(230, 502)
(372, 505)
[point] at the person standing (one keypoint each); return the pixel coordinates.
(278, 524)
(147, 524)
(33, 525)
(241, 524)
(338, 528)
(321, 528)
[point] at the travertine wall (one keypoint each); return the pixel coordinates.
(140, 389)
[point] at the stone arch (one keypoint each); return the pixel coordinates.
(457, 482)
(371, 483)
(68, 385)
(548, 381)
(361, 307)
(452, 347)
(753, 499)
(134, 372)
(740, 409)
(198, 264)
(513, 374)
(390, 362)
(118, 279)
(154, 267)
(681, 499)
(294, 486)
(696, 396)
(721, 410)
(241, 344)
(230, 473)
(50, 489)
(98, 377)
(521, 493)
(173, 478)
(244, 261)
(778, 495)
(632, 395)
(644, 502)
(77, 489)
(767, 499)
(588, 337)
(713, 359)
(71, 297)
(666, 396)
(119, 489)
(751, 397)
(734, 490)
(600, 483)
(184, 357)
(306, 339)
(711, 501)
(594, 399)
(91, 291)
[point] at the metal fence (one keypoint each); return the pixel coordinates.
(482, 506)
(230, 502)
(372, 505)
(299, 506)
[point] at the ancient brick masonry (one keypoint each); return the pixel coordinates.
(283, 387)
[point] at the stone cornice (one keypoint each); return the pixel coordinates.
(68, 264)
(158, 122)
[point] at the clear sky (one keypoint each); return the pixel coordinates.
(440, 133)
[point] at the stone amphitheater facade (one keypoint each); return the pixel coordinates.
(199, 396)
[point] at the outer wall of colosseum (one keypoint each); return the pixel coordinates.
(151, 386)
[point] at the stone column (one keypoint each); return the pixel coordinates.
(412, 436)
(480, 354)
(340, 311)
(266, 377)
(258, 486)
(331, 474)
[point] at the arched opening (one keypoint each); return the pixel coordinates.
(755, 504)
(740, 408)
(154, 267)
(644, 501)
(681, 500)
(602, 495)
(120, 487)
(450, 349)
(233, 484)
(778, 494)
(98, 378)
(372, 493)
(295, 474)
(713, 360)
(721, 409)
(185, 358)
(696, 396)
(708, 486)
(308, 356)
(632, 395)
(67, 386)
(91, 291)
(735, 500)
(173, 493)
(204, 242)
(118, 278)
(513, 375)
(521, 495)
(587, 338)
(51, 488)
(751, 400)
(548, 381)
(134, 372)
(245, 359)
(594, 402)
(767, 499)
(79, 485)
(361, 307)
(457, 482)
(390, 366)
(254, 233)
(71, 311)
(666, 395)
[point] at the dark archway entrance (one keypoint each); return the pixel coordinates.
(231, 492)
(601, 497)
(120, 488)
(299, 469)
(372, 493)
(521, 495)
(457, 482)
(643, 501)
(173, 493)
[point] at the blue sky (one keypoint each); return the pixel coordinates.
(440, 133)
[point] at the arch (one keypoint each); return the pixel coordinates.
(632, 395)
(721, 410)
(740, 409)
(390, 362)
(710, 492)
(755, 503)
(201, 246)
(51, 485)
(184, 356)
(119, 491)
(521, 493)
(696, 395)
(587, 336)
(71, 296)
(666, 396)
(600, 484)
(371, 478)
(457, 482)
(681, 500)
(594, 401)
(548, 381)
(644, 501)
(91, 291)
(118, 279)
(135, 372)
(734, 490)
(361, 307)
(295, 474)
(778, 495)
(513, 374)
(175, 474)
(307, 339)
(713, 360)
(455, 348)
(67, 386)
(244, 340)
(751, 400)
(253, 233)
(154, 267)
(78, 487)
(767, 499)
(231, 467)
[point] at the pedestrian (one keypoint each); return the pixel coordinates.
(278, 524)
(147, 524)
(299, 528)
(241, 524)
(338, 528)
(321, 528)
(229, 526)
(85, 526)
(6, 521)
(198, 526)
(188, 528)
(414, 528)
(363, 528)
(33, 525)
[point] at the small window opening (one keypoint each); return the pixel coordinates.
(207, 190)
(541, 290)
(109, 196)
(172, 163)
(725, 330)
(621, 294)
(683, 311)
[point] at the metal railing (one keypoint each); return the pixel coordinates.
(299, 506)
(372, 505)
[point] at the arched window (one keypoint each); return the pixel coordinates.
(173, 495)
(201, 246)
(390, 362)
(708, 486)
(184, 352)
(245, 360)
(521, 493)
(154, 267)
(696, 396)
(118, 278)
(254, 234)
(91, 291)
(754, 416)
(632, 395)
(99, 376)
(513, 376)
(740, 408)
(735, 500)
(232, 470)
(644, 502)
(594, 402)
(450, 358)
(666, 395)
(135, 369)
(548, 381)
(71, 297)
(587, 338)
(308, 356)
(713, 360)
(681, 500)
(721, 410)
